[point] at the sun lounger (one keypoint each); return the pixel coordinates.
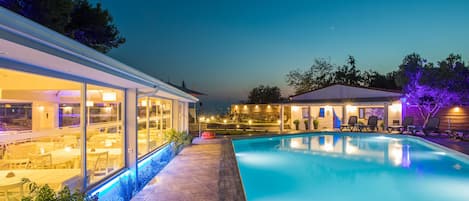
(372, 124)
(433, 126)
(407, 125)
(351, 124)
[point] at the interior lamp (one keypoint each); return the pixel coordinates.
(109, 96)
(89, 103)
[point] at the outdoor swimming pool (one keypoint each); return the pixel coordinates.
(350, 167)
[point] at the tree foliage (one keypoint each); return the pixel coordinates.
(322, 74)
(431, 87)
(77, 19)
(264, 94)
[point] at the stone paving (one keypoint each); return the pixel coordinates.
(455, 144)
(194, 175)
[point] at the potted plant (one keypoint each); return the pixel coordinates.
(381, 125)
(297, 124)
(306, 124)
(316, 124)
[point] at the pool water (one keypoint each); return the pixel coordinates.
(350, 167)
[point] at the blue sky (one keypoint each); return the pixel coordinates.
(225, 48)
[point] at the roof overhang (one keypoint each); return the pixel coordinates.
(344, 93)
(24, 43)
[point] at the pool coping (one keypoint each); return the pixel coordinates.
(230, 185)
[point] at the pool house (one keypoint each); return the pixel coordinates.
(71, 116)
(333, 105)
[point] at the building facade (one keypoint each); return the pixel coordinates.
(70, 116)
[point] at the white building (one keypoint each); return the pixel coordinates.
(70, 115)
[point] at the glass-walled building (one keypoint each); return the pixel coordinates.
(70, 116)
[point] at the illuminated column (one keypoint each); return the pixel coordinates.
(131, 130)
(344, 114)
(386, 116)
(310, 123)
(281, 118)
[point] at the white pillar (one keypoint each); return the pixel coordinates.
(386, 116)
(131, 127)
(309, 119)
(281, 118)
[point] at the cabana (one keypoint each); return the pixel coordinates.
(333, 105)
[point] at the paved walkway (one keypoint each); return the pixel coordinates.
(197, 173)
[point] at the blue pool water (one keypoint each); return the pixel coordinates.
(350, 167)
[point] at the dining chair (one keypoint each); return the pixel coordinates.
(41, 161)
(98, 164)
(12, 192)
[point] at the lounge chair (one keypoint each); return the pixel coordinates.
(372, 124)
(352, 123)
(405, 127)
(433, 126)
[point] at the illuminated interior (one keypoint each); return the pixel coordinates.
(41, 128)
(154, 119)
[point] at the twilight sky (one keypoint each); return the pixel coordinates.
(225, 48)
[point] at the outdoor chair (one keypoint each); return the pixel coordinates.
(372, 124)
(433, 126)
(405, 127)
(352, 123)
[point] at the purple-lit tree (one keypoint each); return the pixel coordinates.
(431, 87)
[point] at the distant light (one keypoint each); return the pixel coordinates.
(224, 121)
(144, 103)
(245, 107)
(278, 121)
(250, 122)
(257, 106)
(268, 107)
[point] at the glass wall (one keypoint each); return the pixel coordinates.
(155, 118)
(105, 131)
(40, 130)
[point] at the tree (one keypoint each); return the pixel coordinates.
(376, 80)
(348, 74)
(431, 87)
(319, 75)
(264, 94)
(77, 19)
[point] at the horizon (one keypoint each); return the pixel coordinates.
(260, 42)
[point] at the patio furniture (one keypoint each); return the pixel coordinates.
(433, 126)
(12, 190)
(407, 124)
(372, 124)
(352, 123)
(55, 178)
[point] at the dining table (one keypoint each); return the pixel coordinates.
(55, 178)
